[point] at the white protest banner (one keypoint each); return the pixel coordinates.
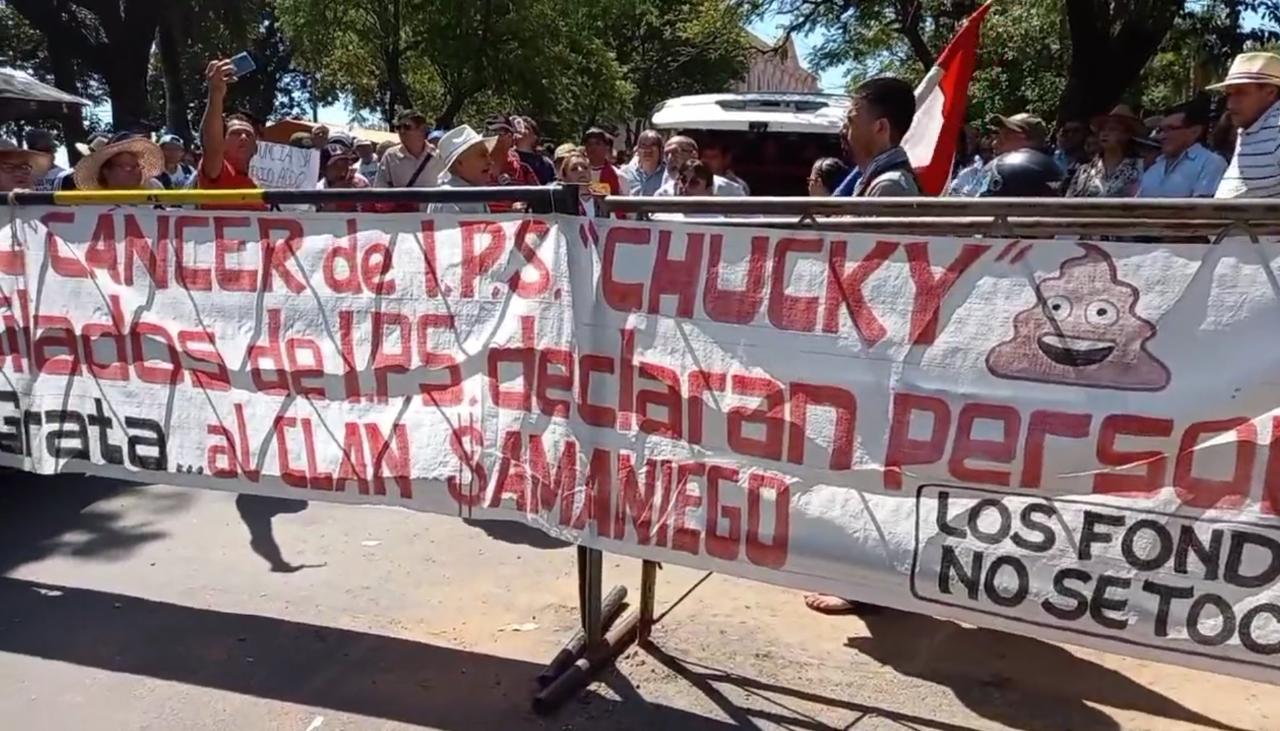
(285, 167)
(1072, 441)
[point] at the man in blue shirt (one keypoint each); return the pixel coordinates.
(1185, 168)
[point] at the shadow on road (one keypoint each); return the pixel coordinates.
(705, 678)
(256, 512)
(517, 534)
(1018, 681)
(322, 667)
(42, 515)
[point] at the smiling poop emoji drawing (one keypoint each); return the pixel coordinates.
(1082, 331)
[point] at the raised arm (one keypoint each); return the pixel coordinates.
(213, 136)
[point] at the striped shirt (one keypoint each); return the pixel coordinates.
(1254, 171)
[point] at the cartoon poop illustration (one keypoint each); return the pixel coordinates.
(1082, 331)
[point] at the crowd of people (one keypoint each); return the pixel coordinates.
(1183, 152)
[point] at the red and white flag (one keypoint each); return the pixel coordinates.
(941, 99)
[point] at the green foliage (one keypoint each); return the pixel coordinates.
(1027, 55)
(209, 29)
(674, 47)
(568, 62)
(24, 48)
(1020, 69)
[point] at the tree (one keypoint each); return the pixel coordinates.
(1111, 43)
(359, 47)
(674, 47)
(567, 62)
(1101, 45)
(113, 39)
(196, 31)
(25, 48)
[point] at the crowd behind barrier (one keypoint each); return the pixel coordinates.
(1185, 151)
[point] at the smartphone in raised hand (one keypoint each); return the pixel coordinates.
(242, 63)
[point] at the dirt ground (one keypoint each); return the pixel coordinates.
(153, 607)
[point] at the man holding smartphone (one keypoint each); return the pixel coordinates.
(229, 144)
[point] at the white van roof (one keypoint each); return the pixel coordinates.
(754, 112)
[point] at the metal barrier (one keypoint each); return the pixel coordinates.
(1027, 217)
(539, 199)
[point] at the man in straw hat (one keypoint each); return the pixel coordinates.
(20, 169)
(129, 161)
(461, 161)
(1252, 88)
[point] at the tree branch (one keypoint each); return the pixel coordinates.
(907, 13)
(48, 18)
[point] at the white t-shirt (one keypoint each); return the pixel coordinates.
(50, 179)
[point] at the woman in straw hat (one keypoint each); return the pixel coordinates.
(129, 161)
(19, 168)
(1115, 172)
(1252, 88)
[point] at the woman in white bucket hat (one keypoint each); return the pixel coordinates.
(1252, 87)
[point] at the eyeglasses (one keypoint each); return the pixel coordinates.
(16, 168)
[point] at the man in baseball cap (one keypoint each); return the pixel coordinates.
(368, 164)
(598, 144)
(1017, 132)
(176, 175)
(1020, 131)
(19, 168)
(508, 168)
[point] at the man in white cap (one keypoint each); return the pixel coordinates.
(177, 175)
(1252, 88)
(461, 161)
(368, 166)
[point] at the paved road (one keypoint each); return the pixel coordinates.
(153, 607)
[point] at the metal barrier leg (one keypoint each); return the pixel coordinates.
(648, 592)
(591, 649)
(591, 600)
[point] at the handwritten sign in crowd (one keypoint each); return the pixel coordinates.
(285, 167)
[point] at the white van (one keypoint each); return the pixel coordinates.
(774, 136)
